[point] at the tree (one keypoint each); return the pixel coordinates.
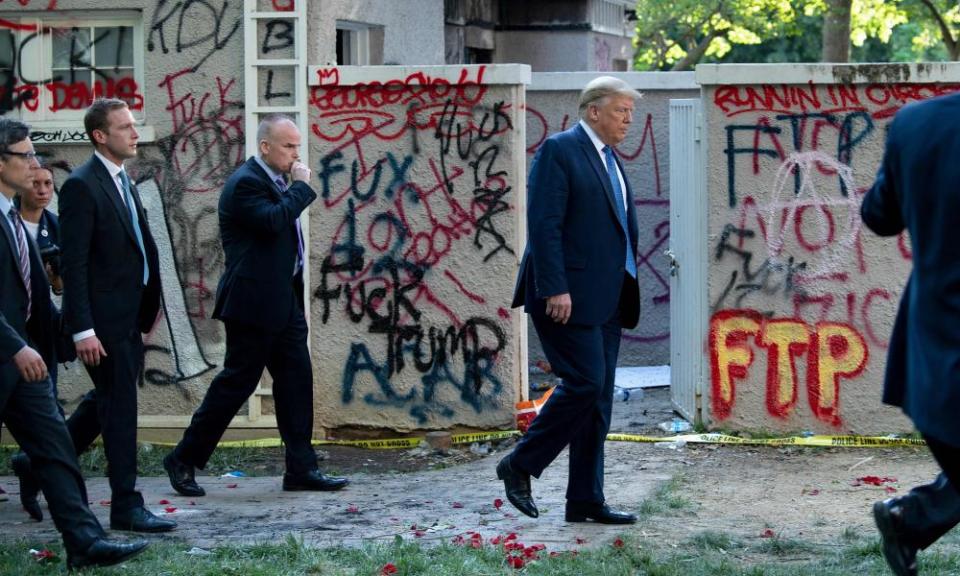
(676, 34)
(939, 24)
(836, 31)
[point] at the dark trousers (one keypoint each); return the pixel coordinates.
(249, 350)
(578, 412)
(30, 413)
(110, 410)
(932, 510)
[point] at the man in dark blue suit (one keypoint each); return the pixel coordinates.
(28, 327)
(578, 282)
(260, 301)
(915, 190)
(111, 295)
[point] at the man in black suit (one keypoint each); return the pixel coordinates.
(111, 276)
(578, 283)
(260, 301)
(27, 406)
(915, 189)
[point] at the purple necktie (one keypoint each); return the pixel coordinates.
(18, 232)
(282, 186)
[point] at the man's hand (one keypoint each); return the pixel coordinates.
(56, 282)
(30, 365)
(299, 172)
(559, 307)
(90, 351)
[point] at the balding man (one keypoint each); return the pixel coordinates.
(578, 283)
(260, 301)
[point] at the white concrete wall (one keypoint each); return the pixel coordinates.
(415, 244)
(192, 97)
(802, 295)
(552, 107)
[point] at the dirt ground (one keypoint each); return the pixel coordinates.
(744, 492)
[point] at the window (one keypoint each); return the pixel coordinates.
(359, 43)
(52, 68)
(610, 16)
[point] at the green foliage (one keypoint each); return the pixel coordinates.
(678, 34)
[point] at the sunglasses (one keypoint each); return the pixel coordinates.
(28, 155)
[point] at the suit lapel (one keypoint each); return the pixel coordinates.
(631, 208)
(262, 174)
(109, 188)
(586, 145)
(11, 244)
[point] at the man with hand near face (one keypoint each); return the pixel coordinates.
(260, 301)
(111, 277)
(578, 283)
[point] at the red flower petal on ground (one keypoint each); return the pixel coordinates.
(458, 540)
(512, 546)
(530, 553)
(511, 536)
(458, 505)
(232, 486)
(351, 509)
(163, 502)
(388, 569)
(618, 543)
(498, 503)
(170, 509)
(43, 555)
(768, 533)
(104, 502)
(476, 544)
(554, 554)
(539, 546)
(889, 489)
(580, 540)
(418, 534)
(496, 540)
(516, 562)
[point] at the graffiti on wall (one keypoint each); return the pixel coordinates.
(416, 189)
(196, 110)
(643, 160)
(87, 62)
(792, 275)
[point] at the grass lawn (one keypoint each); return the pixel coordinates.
(708, 554)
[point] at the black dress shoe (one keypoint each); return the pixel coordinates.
(182, 477)
(313, 481)
(517, 486)
(140, 520)
(105, 552)
(29, 489)
(599, 513)
(900, 555)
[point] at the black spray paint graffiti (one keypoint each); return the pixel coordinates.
(808, 131)
(770, 278)
(393, 246)
(182, 20)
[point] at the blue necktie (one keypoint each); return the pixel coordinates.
(631, 262)
(128, 198)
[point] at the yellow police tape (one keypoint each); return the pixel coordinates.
(815, 440)
(708, 438)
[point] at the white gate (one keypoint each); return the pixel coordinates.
(688, 256)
